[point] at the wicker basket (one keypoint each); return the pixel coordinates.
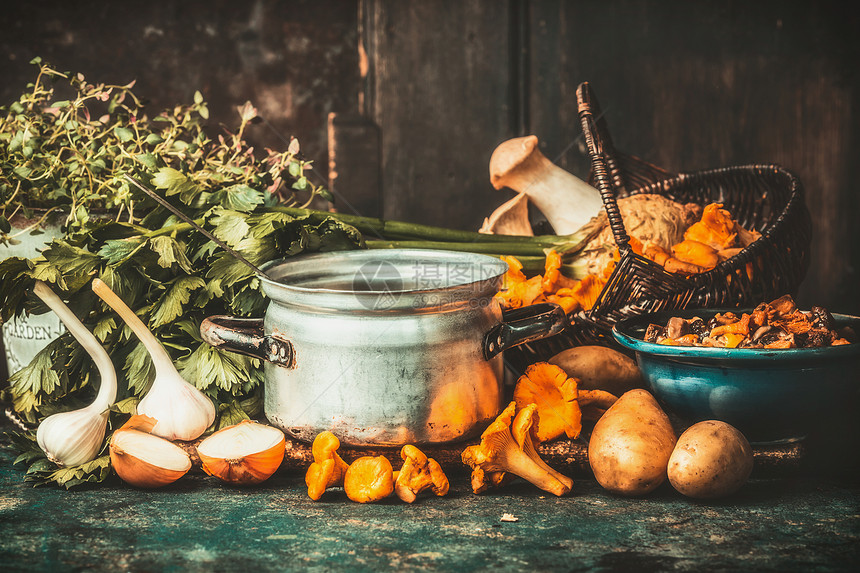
(766, 198)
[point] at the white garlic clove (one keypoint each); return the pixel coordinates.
(246, 453)
(144, 460)
(72, 438)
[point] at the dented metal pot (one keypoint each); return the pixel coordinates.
(383, 347)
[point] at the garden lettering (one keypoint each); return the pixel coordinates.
(25, 331)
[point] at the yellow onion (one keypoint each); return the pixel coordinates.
(146, 460)
(244, 454)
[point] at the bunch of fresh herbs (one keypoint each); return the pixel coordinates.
(70, 155)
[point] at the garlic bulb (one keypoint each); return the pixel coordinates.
(74, 438)
(183, 412)
(246, 453)
(144, 460)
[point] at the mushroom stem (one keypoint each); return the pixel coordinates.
(510, 218)
(566, 201)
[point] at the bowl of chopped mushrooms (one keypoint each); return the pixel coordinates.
(773, 371)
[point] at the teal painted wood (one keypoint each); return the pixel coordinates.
(198, 524)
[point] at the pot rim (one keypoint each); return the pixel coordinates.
(302, 280)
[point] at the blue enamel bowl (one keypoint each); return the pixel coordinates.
(771, 396)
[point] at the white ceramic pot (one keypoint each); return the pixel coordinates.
(24, 337)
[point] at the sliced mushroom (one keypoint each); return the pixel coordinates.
(677, 327)
(761, 331)
(821, 318)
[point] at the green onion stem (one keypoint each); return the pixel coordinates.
(430, 237)
(498, 249)
(530, 251)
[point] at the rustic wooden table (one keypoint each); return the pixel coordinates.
(795, 521)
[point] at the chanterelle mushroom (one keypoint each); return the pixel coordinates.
(523, 431)
(369, 479)
(482, 481)
(555, 395)
(328, 469)
(418, 474)
(499, 451)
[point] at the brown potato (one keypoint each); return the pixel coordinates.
(711, 459)
(600, 368)
(630, 446)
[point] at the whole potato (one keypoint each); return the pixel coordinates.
(711, 459)
(630, 446)
(600, 368)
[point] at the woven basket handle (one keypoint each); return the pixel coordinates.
(604, 166)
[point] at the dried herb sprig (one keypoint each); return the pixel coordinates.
(66, 144)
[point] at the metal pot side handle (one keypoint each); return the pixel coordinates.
(523, 325)
(245, 336)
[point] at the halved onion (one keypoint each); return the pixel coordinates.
(246, 453)
(145, 460)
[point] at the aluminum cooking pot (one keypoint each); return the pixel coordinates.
(383, 347)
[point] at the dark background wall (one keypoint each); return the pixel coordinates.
(296, 61)
(685, 85)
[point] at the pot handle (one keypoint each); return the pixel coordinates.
(245, 336)
(523, 325)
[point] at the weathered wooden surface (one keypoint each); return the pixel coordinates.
(687, 86)
(567, 456)
(355, 164)
(199, 524)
